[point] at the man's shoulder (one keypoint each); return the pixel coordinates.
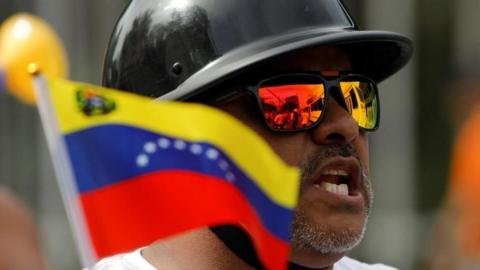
(126, 261)
(347, 263)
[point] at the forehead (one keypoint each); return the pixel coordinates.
(322, 59)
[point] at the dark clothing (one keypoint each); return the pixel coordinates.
(239, 242)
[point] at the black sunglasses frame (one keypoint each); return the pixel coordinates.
(332, 87)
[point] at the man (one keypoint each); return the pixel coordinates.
(19, 245)
(252, 59)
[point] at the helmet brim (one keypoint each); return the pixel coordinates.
(377, 54)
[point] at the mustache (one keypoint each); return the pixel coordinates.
(316, 159)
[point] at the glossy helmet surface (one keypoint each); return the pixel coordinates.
(176, 49)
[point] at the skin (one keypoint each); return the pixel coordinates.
(337, 128)
(198, 249)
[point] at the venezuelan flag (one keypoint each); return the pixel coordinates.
(146, 170)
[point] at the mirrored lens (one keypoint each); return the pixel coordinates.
(292, 106)
(361, 100)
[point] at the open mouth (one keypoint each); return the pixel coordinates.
(339, 176)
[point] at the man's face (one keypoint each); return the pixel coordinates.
(336, 151)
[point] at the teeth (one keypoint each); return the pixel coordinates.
(335, 172)
(341, 189)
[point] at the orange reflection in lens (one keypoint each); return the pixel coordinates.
(361, 102)
(295, 106)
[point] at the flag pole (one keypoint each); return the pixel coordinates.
(63, 169)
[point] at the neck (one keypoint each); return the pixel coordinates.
(294, 266)
(199, 249)
(203, 250)
(311, 259)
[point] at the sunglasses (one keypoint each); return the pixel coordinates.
(298, 101)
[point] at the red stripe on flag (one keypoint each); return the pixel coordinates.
(134, 213)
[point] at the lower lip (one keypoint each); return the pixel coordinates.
(354, 200)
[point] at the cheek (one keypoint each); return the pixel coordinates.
(248, 115)
(363, 150)
(291, 148)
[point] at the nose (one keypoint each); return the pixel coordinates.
(337, 126)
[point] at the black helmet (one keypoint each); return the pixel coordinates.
(176, 49)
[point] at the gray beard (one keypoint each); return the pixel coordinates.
(308, 234)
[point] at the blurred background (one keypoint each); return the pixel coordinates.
(423, 107)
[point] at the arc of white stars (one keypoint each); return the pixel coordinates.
(150, 147)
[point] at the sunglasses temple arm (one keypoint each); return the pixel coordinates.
(230, 96)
